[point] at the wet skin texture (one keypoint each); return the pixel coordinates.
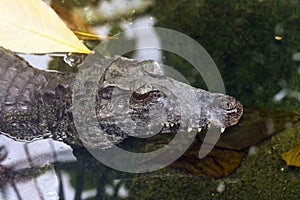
(37, 104)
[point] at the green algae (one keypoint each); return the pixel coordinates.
(262, 175)
(240, 37)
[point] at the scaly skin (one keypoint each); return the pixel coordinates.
(37, 104)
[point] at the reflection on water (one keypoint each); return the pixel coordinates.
(27, 170)
(47, 169)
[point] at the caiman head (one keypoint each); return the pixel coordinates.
(136, 98)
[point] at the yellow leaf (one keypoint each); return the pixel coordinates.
(292, 157)
(31, 26)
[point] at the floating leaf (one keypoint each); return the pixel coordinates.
(73, 21)
(292, 157)
(31, 26)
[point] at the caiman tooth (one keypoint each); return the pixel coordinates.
(189, 129)
(222, 129)
(172, 125)
(208, 125)
(199, 130)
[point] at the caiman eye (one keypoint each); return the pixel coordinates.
(140, 97)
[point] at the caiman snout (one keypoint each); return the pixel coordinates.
(234, 113)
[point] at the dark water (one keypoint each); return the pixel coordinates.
(256, 47)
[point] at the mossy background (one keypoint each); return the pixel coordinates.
(262, 175)
(255, 66)
(240, 37)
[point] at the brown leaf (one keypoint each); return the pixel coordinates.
(218, 163)
(76, 23)
(71, 20)
(255, 125)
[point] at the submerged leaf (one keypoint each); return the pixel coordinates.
(73, 21)
(31, 26)
(77, 24)
(292, 157)
(255, 125)
(218, 163)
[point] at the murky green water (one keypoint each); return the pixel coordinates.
(256, 46)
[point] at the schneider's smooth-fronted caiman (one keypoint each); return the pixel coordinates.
(37, 104)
